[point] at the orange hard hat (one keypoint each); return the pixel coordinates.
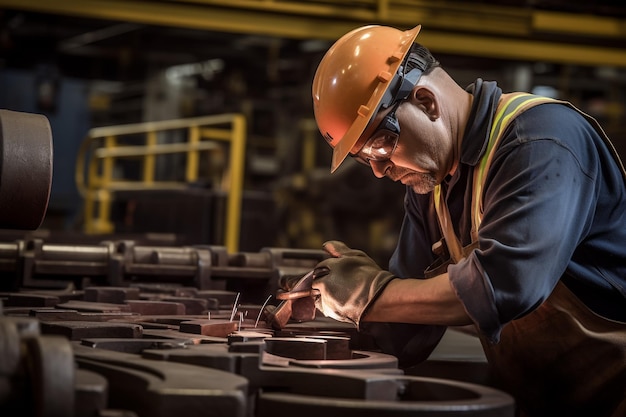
(356, 77)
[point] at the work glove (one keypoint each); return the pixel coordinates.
(348, 283)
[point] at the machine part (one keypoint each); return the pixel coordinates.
(91, 393)
(295, 258)
(113, 295)
(311, 352)
(359, 359)
(191, 339)
(25, 169)
(255, 335)
(321, 360)
(218, 328)
(29, 364)
(156, 308)
(9, 359)
(30, 300)
(57, 314)
(301, 348)
(193, 306)
(157, 388)
(136, 346)
(414, 396)
(50, 364)
(214, 356)
(34, 263)
(337, 347)
(77, 330)
(88, 306)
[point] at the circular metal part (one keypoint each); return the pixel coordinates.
(25, 169)
(51, 367)
(9, 365)
(416, 397)
(9, 347)
(359, 360)
(301, 348)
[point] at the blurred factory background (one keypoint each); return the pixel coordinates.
(231, 154)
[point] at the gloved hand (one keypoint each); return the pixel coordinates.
(348, 283)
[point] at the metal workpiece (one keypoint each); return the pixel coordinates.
(78, 330)
(164, 369)
(116, 343)
(113, 295)
(25, 169)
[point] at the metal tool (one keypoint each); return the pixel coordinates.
(297, 300)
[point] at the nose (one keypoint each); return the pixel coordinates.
(380, 168)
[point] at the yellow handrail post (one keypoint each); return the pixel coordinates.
(192, 156)
(309, 144)
(103, 223)
(149, 160)
(237, 159)
(88, 211)
(91, 197)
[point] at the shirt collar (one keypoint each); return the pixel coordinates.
(486, 97)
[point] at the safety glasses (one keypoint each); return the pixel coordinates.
(381, 144)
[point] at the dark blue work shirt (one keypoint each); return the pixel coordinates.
(554, 209)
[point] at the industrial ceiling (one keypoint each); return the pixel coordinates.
(124, 39)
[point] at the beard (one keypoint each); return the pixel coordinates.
(421, 182)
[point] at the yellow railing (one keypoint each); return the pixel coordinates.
(100, 153)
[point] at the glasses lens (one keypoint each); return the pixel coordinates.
(383, 141)
(378, 147)
(381, 146)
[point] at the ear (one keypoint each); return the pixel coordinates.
(426, 100)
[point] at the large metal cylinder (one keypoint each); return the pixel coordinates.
(25, 169)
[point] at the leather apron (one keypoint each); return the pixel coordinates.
(562, 359)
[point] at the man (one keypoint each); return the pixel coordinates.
(514, 222)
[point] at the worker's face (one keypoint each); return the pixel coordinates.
(422, 156)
